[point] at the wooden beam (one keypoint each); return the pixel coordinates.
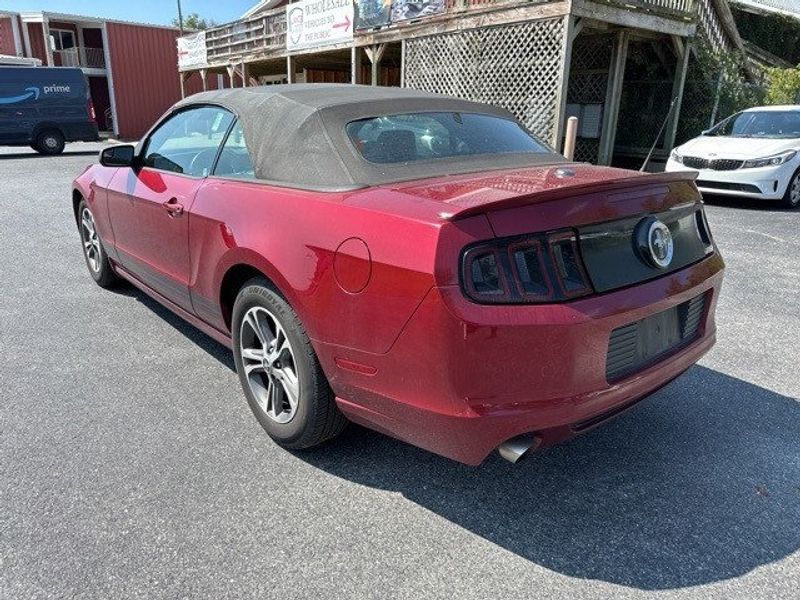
(355, 65)
(375, 55)
(204, 77)
(26, 40)
(403, 63)
(577, 25)
(613, 97)
(48, 49)
(569, 36)
(636, 19)
(678, 85)
(231, 69)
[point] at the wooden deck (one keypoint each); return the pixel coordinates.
(263, 36)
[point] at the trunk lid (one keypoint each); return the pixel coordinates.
(542, 198)
(609, 213)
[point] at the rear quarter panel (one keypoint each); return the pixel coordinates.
(292, 236)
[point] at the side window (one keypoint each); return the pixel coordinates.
(234, 160)
(188, 141)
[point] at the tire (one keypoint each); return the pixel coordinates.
(271, 378)
(50, 142)
(791, 199)
(93, 252)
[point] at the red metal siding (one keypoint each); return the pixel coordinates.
(194, 84)
(7, 45)
(144, 70)
(37, 42)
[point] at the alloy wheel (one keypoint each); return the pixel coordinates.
(50, 142)
(269, 364)
(794, 192)
(91, 243)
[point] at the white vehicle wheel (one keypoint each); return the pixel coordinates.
(792, 197)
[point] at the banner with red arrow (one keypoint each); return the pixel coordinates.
(313, 23)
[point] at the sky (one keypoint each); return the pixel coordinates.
(146, 11)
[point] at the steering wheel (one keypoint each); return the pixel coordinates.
(202, 160)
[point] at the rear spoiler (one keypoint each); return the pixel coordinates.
(470, 207)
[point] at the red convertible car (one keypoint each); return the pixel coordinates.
(417, 264)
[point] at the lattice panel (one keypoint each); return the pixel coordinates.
(588, 82)
(516, 66)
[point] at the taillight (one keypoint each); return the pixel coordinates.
(524, 270)
(90, 108)
(569, 267)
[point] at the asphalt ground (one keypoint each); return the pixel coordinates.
(131, 467)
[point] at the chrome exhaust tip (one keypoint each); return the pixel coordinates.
(515, 449)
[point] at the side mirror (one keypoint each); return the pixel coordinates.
(118, 156)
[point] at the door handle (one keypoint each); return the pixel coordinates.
(174, 208)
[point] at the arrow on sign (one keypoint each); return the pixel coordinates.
(344, 24)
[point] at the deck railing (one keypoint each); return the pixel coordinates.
(265, 32)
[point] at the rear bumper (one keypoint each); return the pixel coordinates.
(463, 378)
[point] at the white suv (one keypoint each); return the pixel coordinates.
(753, 154)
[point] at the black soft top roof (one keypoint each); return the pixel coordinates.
(296, 133)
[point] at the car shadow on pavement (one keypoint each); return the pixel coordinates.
(34, 154)
(696, 484)
(746, 203)
(699, 483)
(211, 346)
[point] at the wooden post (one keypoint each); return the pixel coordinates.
(231, 70)
(244, 74)
(613, 97)
(566, 59)
(678, 86)
(204, 77)
(375, 54)
(355, 65)
(403, 63)
(81, 46)
(48, 49)
(26, 40)
(291, 75)
(570, 138)
(182, 77)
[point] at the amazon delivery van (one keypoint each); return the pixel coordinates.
(44, 108)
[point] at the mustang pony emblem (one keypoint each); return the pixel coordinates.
(655, 242)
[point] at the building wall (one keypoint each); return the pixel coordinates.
(37, 42)
(7, 45)
(145, 75)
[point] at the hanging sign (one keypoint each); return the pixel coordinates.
(192, 50)
(312, 23)
(373, 13)
(404, 10)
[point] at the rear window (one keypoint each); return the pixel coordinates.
(413, 137)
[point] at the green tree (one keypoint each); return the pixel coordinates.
(194, 21)
(784, 86)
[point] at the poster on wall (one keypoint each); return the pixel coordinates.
(313, 23)
(404, 10)
(373, 13)
(192, 50)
